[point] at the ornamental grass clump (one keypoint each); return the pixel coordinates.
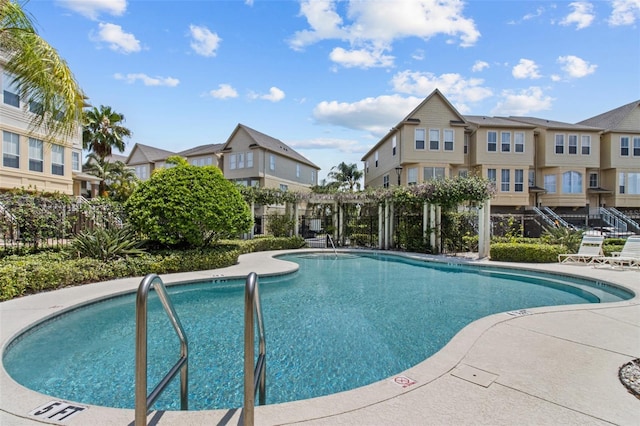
(105, 244)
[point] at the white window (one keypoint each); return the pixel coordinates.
(233, 162)
(385, 181)
(249, 160)
(297, 170)
(571, 183)
(505, 141)
(393, 145)
(636, 146)
(559, 144)
(505, 180)
(593, 180)
(434, 139)
(272, 162)
(492, 141)
(376, 158)
(57, 160)
(621, 185)
(633, 183)
(518, 141)
(491, 175)
(448, 140)
(585, 141)
(419, 139)
(466, 144)
(624, 146)
(313, 177)
(518, 180)
(463, 173)
(573, 144)
(75, 161)
(10, 149)
(366, 166)
(10, 91)
(412, 176)
(241, 160)
(550, 184)
(142, 171)
(284, 187)
(36, 155)
(431, 173)
(532, 177)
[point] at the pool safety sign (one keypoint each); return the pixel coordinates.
(58, 411)
(403, 381)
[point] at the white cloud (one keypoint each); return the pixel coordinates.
(274, 95)
(93, 8)
(116, 38)
(349, 146)
(224, 91)
(374, 26)
(204, 42)
(582, 15)
(148, 81)
(457, 89)
(526, 68)
(248, 2)
(625, 12)
(523, 102)
(361, 58)
(479, 66)
(374, 115)
(575, 67)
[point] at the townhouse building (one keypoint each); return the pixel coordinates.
(534, 162)
(30, 158)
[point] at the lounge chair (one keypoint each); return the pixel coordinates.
(590, 249)
(629, 256)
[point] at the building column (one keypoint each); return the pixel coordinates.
(484, 224)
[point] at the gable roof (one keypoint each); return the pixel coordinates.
(409, 120)
(150, 153)
(212, 148)
(611, 120)
(551, 124)
(270, 144)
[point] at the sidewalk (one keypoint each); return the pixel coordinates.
(543, 366)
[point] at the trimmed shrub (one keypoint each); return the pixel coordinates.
(526, 253)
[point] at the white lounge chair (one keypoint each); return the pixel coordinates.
(590, 249)
(629, 256)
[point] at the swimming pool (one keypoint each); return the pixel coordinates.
(388, 314)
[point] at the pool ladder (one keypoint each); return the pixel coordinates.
(254, 375)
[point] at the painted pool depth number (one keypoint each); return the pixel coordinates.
(57, 411)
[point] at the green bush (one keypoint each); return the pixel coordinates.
(188, 206)
(526, 253)
(105, 244)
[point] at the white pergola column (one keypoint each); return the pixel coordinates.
(438, 230)
(484, 225)
(296, 227)
(386, 224)
(425, 223)
(432, 227)
(392, 231)
(380, 226)
(252, 207)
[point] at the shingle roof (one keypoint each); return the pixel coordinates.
(152, 154)
(482, 120)
(551, 124)
(272, 144)
(611, 120)
(212, 148)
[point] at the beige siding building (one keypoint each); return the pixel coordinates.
(29, 160)
(144, 159)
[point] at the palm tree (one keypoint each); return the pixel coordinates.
(347, 175)
(41, 76)
(117, 180)
(103, 131)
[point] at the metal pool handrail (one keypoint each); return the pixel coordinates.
(254, 376)
(142, 401)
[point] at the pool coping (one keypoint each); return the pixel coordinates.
(459, 363)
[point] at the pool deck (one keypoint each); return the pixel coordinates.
(542, 366)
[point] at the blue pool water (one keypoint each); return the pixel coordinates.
(336, 324)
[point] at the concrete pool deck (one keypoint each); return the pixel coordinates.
(542, 366)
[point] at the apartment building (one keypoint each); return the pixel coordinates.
(29, 159)
(533, 161)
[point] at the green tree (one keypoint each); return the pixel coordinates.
(346, 175)
(117, 180)
(41, 76)
(188, 206)
(103, 131)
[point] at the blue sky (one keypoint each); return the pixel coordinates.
(329, 78)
